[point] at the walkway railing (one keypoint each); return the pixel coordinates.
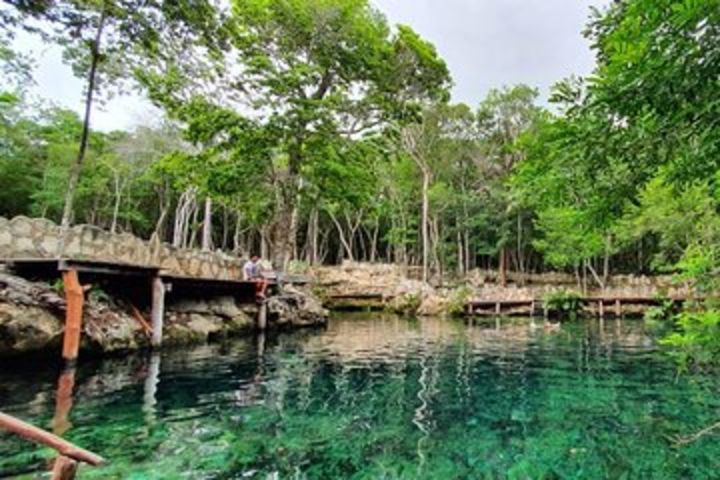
(66, 463)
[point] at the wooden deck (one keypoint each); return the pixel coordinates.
(600, 305)
(148, 284)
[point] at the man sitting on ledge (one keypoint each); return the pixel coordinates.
(252, 272)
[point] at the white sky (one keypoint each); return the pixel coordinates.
(486, 43)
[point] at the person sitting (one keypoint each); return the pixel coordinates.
(252, 272)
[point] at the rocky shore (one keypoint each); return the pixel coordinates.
(32, 318)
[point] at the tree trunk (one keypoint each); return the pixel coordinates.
(207, 226)
(502, 267)
(520, 254)
(460, 254)
(606, 260)
(77, 166)
(425, 223)
(347, 246)
(374, 241)
(116, 207)
(283, 234)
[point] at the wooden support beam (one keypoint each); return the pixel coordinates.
(158, 311)
(498, 308)
(618, 308)
(75, 298)
(601, 309)
(141, 321)
(38, 435)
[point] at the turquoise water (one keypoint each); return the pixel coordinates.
(375, 397)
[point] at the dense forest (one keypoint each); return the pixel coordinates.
(313, 131)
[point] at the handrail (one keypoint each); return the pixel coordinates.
(38, 435)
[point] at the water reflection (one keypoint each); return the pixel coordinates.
(380, 397)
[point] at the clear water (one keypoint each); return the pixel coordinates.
(375, 397)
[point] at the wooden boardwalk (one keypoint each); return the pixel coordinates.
(600, 305)
(145, 284)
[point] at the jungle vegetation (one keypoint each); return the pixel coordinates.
(314, 131)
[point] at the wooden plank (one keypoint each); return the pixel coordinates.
(38, 435)
(158, 311)
(75, 298)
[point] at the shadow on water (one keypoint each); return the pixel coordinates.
(377, 396)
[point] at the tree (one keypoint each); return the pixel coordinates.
(103, 40)
(309, 72)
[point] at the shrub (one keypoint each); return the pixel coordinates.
(697, 338)
(663, 312)
(298, 266)
(563, 302)
(459, 300)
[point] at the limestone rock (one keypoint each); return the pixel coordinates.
(28, 328)
(295, 307)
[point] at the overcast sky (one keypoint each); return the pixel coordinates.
(486, 43)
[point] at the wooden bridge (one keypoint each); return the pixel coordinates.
(146, 285)
(599, 305)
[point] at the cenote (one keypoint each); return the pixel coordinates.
(379, 397)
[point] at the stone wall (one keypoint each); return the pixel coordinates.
(24, 237)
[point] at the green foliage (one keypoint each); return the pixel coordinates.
(565, 303)
(661, 313)
(697, 339)
(298, 266)
(459, 299)
(407, 304)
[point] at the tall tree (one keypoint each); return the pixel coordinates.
(308, 72)
(103, 40)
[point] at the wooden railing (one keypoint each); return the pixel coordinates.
(69, 454)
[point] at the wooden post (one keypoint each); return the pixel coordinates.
(262, 317)
(158, 311)
(64, 469)
(618, 308)
(601, 309)
(498, 308)
(532, 308)
(75, 298)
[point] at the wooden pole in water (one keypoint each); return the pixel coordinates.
(75, 298)
(262, 317)
(618, 308)
(64, 469)
(158, 311)
(63, 401)
(38, 435)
